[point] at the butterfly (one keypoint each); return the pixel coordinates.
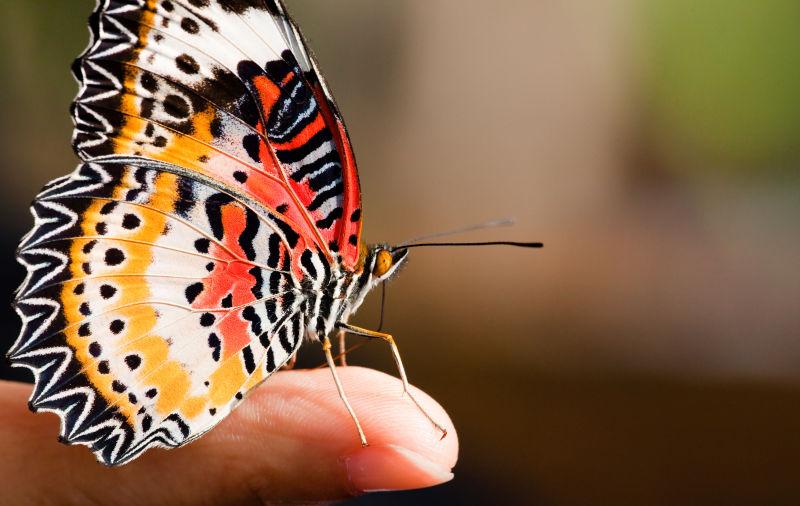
(213, 225)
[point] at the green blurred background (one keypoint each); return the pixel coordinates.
(650, 354)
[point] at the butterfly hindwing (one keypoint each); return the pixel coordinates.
(155, 302)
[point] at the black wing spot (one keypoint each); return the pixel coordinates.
(284, 340)
(146, 110)
(248, 235)
(189, 25)
(95, 349)
(187, 64)
(308, 265)
(207, 319)
(177, 107)
(107, 291)
(227, 301)
(133, 361)
(215, 345)
(216, 127)
(271, 307)
(114, 256)
(193, 290)
(248, 69)
(259, 282)
(252, 144)
(249, 361)
(275, 282)
(249, 313)
(116, 326)
(202, 245)
(108, 207)
(214, 205)
(131, 221)
(274, 248)
(328, 221)
(149, 82)
(291, 236)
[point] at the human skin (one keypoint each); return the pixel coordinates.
(291, 440)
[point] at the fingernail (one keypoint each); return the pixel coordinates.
(390, 467)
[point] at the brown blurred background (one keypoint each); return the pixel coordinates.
(650, 353)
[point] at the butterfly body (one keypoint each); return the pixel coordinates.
(213, 224)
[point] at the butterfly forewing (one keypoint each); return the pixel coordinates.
(164, 274)
(225, 89)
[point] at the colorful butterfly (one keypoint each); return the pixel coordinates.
(213, 224)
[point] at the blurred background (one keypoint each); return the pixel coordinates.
(650, 353)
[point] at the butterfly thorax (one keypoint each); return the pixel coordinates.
(344, 291)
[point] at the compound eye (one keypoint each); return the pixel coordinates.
(383, 262)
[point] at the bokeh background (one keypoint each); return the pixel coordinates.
(650, 353)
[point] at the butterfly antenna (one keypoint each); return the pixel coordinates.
(486, 243)
(505, 222)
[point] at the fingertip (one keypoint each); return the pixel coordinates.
(387, 415)
(390, 467)
(302, 409)
(406, 450)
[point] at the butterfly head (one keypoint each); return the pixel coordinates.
(379, 263)
(384, 261)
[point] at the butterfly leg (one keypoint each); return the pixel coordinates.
(396, 353)
(342, 347)
(326, 347)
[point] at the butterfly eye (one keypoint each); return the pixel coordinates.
(383, 262)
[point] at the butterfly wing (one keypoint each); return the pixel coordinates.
(164, 274)
(149, 309)
(229, 90)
